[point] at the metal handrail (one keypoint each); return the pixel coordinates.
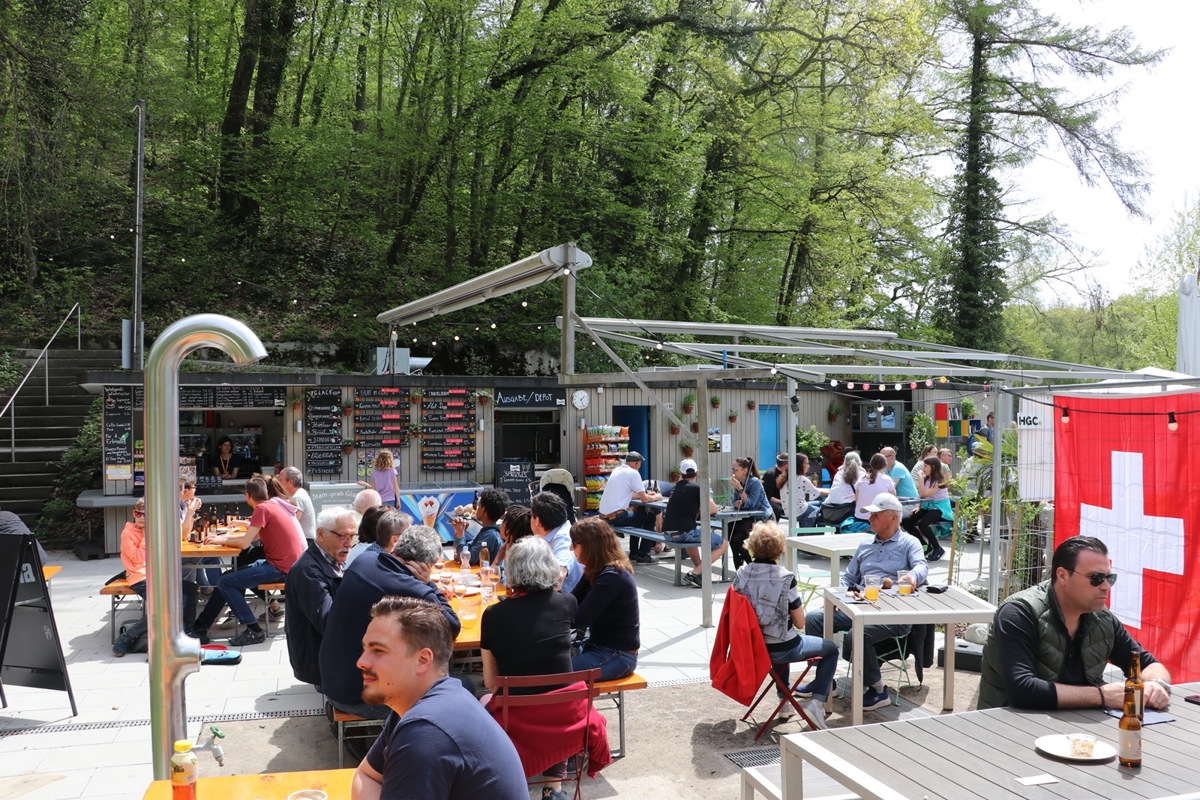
(12, 420)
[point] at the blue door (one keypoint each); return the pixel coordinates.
(637, 419)
(768, 436)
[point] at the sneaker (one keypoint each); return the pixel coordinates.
(643, 558)
(787, 712)
(121, 645)
(554, 794)
(199, 633)
(816, 714)
(804, 690)
(937, 555)
(275, 612)
(693, 579)
(248, 636)
(873, 699)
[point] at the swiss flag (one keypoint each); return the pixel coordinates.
(1121, 475)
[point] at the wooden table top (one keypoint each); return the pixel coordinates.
(983, 753)
(468, 637)
(267, 786)
(193, 550)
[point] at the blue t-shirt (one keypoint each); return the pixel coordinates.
(489, 535)
(905, 486)
(447, 747)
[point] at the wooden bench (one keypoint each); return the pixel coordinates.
(613, 691)
(271, 591)
(679, 548)
(120, 596)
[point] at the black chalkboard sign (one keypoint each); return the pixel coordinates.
(30, 651)
(323, 431)
(118, 427)
(514, 477)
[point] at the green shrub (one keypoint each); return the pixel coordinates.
(79, 468)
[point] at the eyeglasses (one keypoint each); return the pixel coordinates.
(345, 537)
(1097, 578)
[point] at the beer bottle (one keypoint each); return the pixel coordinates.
(1129, 735)
(1134, 683)
(213, 522)
(485, 557)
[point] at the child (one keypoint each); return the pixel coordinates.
(386, 479)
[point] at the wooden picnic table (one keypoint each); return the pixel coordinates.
(267, 786)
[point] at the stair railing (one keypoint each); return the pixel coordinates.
(45, 354)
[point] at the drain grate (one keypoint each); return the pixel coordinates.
(676, 682)
(134, 723)
(758, 757)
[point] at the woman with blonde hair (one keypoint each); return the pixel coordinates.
(385, 479)
(772, 591)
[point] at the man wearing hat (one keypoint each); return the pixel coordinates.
(890, 551)
(625, 485)
(679, 520)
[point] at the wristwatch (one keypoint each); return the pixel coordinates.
(1166, 684)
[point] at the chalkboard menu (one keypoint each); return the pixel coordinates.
(118, 433)
(381, 417)
(323, 431)
(514, 477)
(222, 397)
(447, 429)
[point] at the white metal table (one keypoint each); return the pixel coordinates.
(922, 608)
(835, 547)
(983, 753)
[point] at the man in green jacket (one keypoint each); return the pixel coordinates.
(1050, 643)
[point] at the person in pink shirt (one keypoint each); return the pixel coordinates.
(283, 543)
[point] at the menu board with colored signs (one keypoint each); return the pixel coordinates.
(447, 429)
(323, 431)
(381, 417)
(118, 433)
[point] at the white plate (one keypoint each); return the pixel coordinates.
(1059, 746)
(471, 590)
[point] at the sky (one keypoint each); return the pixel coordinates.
(1157, 115)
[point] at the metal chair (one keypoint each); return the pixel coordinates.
(551, 693)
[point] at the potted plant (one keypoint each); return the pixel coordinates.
(751, 405)
(347, 409)
(695, 427)
(674, 475)
(296, 400)
(414, 430)
(688, 402)
(811, 441)
(416, 394)
(483, 396)
(733, 415)
(715, 401)
(675, 429)
(968, 408)
(835, 410)
(348, 446)
(688, 447)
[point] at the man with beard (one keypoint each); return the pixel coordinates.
(438, 743)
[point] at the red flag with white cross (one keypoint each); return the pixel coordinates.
(1123, 474)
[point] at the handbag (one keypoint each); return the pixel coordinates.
(836, 513)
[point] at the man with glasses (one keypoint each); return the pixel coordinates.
(311, 585)
(1049, 644)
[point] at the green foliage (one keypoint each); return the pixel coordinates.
(811, 441)
(921, 432)
(11, 370)
(968, 407)
(61, 523)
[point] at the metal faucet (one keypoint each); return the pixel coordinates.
(213, 745)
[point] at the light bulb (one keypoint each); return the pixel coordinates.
(1172, 423)
(1066, 415)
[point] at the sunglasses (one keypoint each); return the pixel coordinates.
(1097, 578)
(138, 512)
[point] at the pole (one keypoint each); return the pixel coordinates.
(138, 343)
(1003, 415)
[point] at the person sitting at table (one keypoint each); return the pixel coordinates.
(874, 481)
(403, 572)
(283, 543)
(608, 602)
(530, 632)
(489, 510)
(772, 591)
(367, 525)
(810, 499)
(514, 526)
(935, 508)
(548, 519)
(748, 495)
(774, 480)
(1049, 644)
(884, 556)
(679, 522)
(133, 558)
(438, 742)
(228, 462)
(624, 486)
(311, 585)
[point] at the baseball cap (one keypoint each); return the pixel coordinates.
(884, 502)
(633, 455)
(688, 468)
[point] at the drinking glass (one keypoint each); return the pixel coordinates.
(904, 582)
(486, 593)
(441, 561)
(873, 584)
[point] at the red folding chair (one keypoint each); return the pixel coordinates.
(788, 697)
(569, 722)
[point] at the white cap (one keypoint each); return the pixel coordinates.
(884, 502)
(688, 468)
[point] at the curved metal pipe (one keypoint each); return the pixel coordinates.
(174, 656)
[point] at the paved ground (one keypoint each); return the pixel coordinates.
(678, 729)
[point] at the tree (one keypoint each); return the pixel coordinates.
(1012, 105)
